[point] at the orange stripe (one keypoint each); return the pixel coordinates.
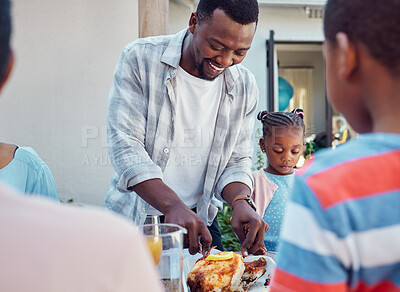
(384, 286)
(357, 179)
(283, 281)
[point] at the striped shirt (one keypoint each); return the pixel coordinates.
(140, 126)
(342, 227)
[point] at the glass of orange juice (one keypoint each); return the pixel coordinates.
(165, 242)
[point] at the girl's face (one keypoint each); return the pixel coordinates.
(283, 148)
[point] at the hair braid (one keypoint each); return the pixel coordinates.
(293, 119)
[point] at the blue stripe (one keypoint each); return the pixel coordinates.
(366, 145)
(351, 216)
(309, 265)
(327, 269)
(375, 275)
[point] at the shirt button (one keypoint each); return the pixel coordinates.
(166, 150)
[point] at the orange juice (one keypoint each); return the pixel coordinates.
(155, 246)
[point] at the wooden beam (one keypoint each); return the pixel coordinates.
(153, 17)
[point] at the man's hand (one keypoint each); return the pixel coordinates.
(164, 199)
(249, 227)
(197, 229)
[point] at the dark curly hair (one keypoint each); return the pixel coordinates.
(5, 32)
(240, 11)
(375, 24)
(293, 119)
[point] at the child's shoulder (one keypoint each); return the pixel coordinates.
(359, 154)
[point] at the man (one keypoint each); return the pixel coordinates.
(180, 123)
(47, 247)
(342, 228)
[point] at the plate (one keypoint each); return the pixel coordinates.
(190, 260)
(259, 285)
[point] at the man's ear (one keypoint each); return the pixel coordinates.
(347, 56)
(10, 64)
(193, 22)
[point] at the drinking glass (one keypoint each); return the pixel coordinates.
(152, 219)
(165, 242)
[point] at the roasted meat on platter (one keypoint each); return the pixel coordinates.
(224, 272)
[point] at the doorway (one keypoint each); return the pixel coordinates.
(300, 66)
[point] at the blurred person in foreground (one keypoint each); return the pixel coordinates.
(46, 247)
(180, 126)
(342, 227)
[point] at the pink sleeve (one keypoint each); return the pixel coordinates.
(263, 191)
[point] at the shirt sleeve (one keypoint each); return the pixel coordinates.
(238, 168)
(126, 124)
(311, 257)
(45, 185)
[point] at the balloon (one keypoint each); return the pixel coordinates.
(285, 93)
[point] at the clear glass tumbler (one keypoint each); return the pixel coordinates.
(165, 242)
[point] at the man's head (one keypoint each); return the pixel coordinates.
(222, 33)
(5, 32)
(361, 37)
(240, 11)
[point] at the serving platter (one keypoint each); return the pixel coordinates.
(190, 260)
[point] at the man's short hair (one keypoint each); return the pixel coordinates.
(5, 32)
(375, 24)
(240, 11)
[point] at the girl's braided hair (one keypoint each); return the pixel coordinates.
(282, 120)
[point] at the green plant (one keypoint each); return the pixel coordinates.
(69, 201)
(229, 238)
(259, 154)
(311, 147)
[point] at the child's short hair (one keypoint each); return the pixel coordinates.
(281, 120)
(376, 24)
(5, 32)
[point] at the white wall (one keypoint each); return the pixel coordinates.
(56, 99)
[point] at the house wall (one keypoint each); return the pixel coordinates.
(56, 98)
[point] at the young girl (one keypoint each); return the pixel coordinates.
(283, 143)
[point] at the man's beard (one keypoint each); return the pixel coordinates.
(200, 70)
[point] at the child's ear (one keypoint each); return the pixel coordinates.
(262, 145)
(347, 56)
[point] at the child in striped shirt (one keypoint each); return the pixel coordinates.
(342, 228)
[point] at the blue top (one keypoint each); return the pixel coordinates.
(29, 174)
(276, 209)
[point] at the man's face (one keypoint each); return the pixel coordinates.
(219, 43)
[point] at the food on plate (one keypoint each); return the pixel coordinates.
(252, 273)
(224, 272)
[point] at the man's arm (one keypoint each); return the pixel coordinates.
(249, 227)
(127, 121)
